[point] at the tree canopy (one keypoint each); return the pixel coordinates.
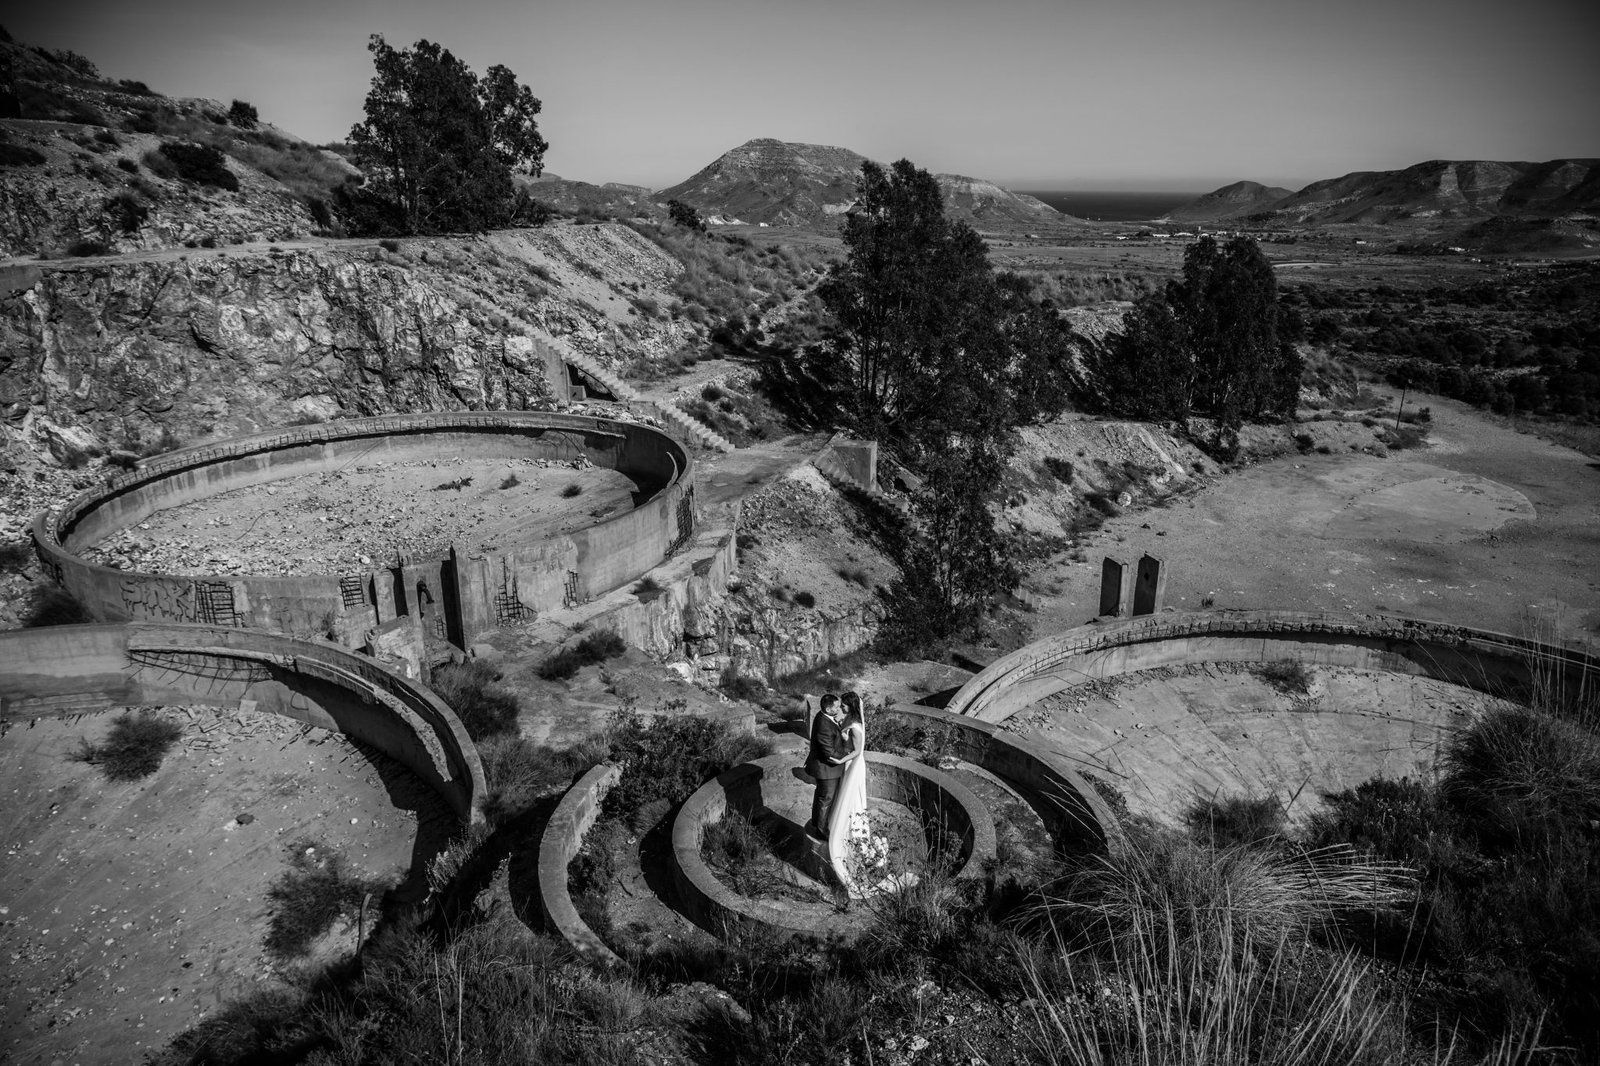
(944, 360)
(1215, 343)
(439, 144)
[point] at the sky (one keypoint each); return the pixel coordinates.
(1068, 94)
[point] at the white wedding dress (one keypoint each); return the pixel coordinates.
(850, 814)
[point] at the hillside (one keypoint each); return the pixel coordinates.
(1240, 198)
(610, 198)
(785, 184)
(1444, 189)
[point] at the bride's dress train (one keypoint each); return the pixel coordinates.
(849, 831)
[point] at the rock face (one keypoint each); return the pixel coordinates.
(613, 198)
(785, 184)
(1230, 201)
(221, 343)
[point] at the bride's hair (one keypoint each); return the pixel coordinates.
(852, 705)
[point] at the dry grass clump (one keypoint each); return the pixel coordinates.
(134, 748)
(473, 692)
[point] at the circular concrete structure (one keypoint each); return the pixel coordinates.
(457, 595)
(769, 789)
(68, 670)
(1175, 708)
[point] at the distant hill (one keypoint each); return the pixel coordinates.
(612, 198)
(1240, 198)
(784, 184)
(1444, 189)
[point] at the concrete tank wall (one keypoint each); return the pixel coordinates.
(1479, 659)
(479, 591)
(63, 670)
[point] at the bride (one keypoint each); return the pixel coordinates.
(848, 826)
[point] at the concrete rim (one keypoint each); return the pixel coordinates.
(62, 670)
(716, 908)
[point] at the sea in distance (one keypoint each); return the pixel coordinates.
(1112, 206)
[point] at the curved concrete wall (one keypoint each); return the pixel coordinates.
(63, 670)
(475, 592)
(1479, 659)
(563, 837)
(716, 908)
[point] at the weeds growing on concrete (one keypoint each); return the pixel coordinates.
(1242, 821)
(134, 748)
(1288, 676)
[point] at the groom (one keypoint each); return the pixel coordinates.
(825, 764)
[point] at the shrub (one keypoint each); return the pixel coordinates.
(805, 599)
(1060, 469)
(510, 481)
(128, 165)
(1519, 765)
(856, 575)
(389, 244)
(1238, 820)
(667, 758)
(317, 890)
(20, 155)
(648, 588)
(243, 115)
(198, 163)
(471, 689)
(711, 392)
(518, 773)
(572, 490)
(1288, 676)
(740, 687)
(106, 137)
(127, 210)
(80, 249)
(592, 649)
(134, 748)
(136, 88)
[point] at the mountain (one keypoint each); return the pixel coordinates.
(785, 184)
(1240, 198)
(612, 198)
(1445, 189)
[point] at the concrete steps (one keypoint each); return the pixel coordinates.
(676, 419)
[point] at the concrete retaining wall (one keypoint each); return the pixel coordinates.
(1479, 659)
(1077, 818)
(64, 670)
(715, 907)
(469, 593)
(563, 837)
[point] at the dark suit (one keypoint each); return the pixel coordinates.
(827, 742)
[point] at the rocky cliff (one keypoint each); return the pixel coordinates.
(100, 354)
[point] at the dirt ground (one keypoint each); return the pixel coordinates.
(363, 516)
(1483, 526)
(130, 910)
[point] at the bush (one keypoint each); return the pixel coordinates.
(128, 165)
(471, 689)
(199, 164)
(572, 490)
(592, 649)
(518, 773)
(134, 748)
(243, 115)
(1288, 676)
(1520, 766)
(19, 155)
(127, 209)
(737, 686)
(1238, 820)
(1060, 469)
(389, 244)
(317, 890)
(82, 249)
(667, 758)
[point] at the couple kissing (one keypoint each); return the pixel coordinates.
(837, 763)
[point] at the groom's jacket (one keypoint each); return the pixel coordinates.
(827, 742)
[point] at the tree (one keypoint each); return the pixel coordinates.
(1215, 343)
(944, 359)
(685, 215)
(243, 114)
(439, 144)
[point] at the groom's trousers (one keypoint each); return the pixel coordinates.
(822, 803)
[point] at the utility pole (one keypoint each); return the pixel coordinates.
(1401, 409)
